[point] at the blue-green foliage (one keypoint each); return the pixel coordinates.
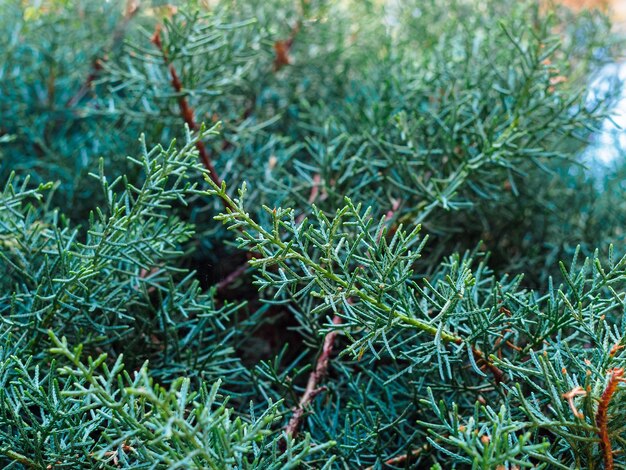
(401, 182)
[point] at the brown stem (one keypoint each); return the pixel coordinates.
(399, 460)
(570, 396)
(602, 421)
(282, 48)
(96, 66)
(186, 111)
(232, 277)
(312, 388)
(479, 356)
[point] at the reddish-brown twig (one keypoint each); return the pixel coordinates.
(479, 356)
(282, 48)
(571, 395)
(232, 277)
(602, 419)
(96, 66)
(401, 459)
(312, 386)
(186, 111)
(615, 349)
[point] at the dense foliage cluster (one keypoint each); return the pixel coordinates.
(271, 234)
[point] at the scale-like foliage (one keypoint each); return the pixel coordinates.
(416, 272)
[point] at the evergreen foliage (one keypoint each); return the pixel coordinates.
(354, 234)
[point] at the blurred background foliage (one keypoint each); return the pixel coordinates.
(450, 111)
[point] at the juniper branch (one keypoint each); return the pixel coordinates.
(186, 111)
(237, 218)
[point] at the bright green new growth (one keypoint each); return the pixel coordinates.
(385, 289)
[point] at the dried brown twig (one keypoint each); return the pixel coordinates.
(312, 387)
(401, 459)
(602, 420)
(282, 48)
